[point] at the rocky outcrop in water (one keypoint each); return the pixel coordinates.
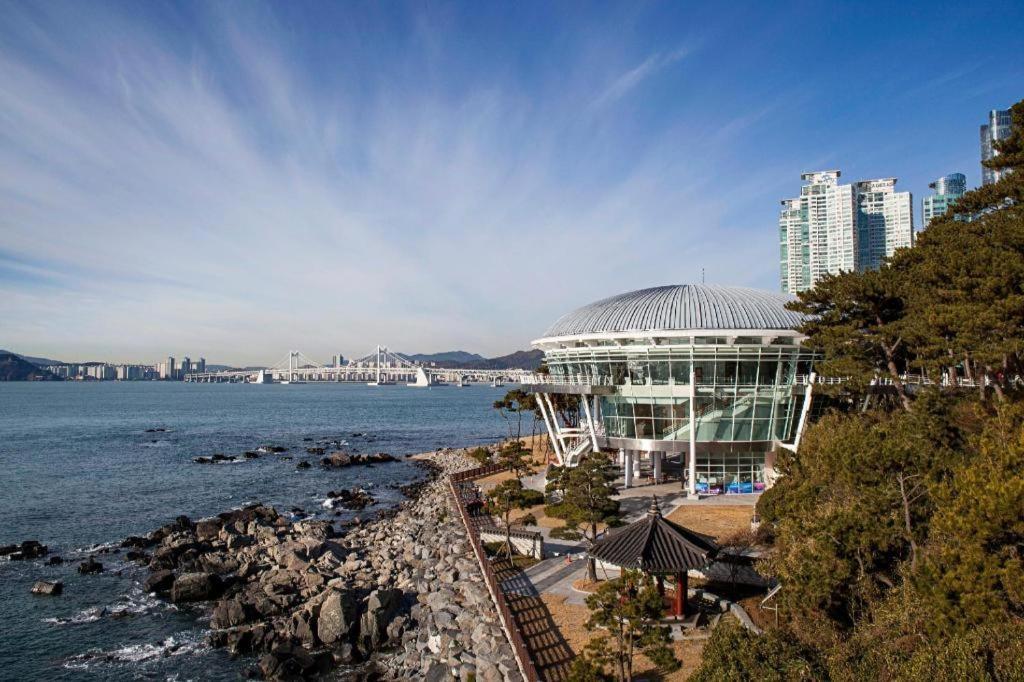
(340, 460)
(48, 588)
(29, 549)
(404, 591)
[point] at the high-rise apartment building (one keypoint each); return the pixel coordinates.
(997, 128)
(885, 221)
(832, 228)
(947, 190)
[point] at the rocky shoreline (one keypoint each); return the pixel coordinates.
(400, 597)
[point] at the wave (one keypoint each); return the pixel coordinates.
(184, 643)
(135, 603)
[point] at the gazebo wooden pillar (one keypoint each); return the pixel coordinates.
(659, 548)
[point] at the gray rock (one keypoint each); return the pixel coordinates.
(159, 581)
(49, 588)
(381, 607)
(190, 587)
(230, 613)
(337, 617)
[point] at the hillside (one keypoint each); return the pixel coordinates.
(521, 359)
(38, 362)
(14, 368)
(452, 356)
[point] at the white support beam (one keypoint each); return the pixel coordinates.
(590, 422)
(802, 424)
(550, 429)
(559, 437)
(691, 488)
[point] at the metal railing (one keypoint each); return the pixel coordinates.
(508, 621)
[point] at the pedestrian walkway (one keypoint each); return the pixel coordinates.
(548, 650)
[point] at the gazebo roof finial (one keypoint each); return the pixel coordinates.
(654, 510)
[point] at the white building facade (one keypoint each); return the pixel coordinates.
(832, 228)
(701, 379)
(997, 128)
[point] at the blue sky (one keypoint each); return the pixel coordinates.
(237, 179)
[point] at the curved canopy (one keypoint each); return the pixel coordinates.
(655, 545)
(681, 307)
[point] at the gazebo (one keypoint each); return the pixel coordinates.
(657, 547)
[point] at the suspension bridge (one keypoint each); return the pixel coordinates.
(379, 368)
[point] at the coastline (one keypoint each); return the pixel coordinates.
(401, 596)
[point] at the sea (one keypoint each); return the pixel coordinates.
(84, 465)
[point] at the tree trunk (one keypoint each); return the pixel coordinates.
(901, 479)
(890, 363)
(901, 390)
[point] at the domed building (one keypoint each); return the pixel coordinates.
(712, 376)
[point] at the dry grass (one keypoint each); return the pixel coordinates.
(584, 585)
(717, 520)
(571, 618)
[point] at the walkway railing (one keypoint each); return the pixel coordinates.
(508, 622)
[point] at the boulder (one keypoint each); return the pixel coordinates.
(199, 586)
(303, 465)
(54, 561)
(230, 613)
(29, 549)
(50, 588)
(337, 617)
(159, 581)
(90, 566)
(290, 662)
(380, 608)
(136, 542)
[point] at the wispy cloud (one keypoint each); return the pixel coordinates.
(234, 192)
(629, 80)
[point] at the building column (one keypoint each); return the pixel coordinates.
(691, 490)
(638, 456)
(680, 601)
(658, 457)
(628, 469)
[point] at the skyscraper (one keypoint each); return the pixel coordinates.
(885, 221)
(948, 189)
(832, 228)
(997, 128)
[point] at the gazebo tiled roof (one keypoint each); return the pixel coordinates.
(655, 545)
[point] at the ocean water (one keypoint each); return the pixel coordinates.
(78, 470)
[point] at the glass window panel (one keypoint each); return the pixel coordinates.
(741, 429)
(761, 430)
(639, 374)
(725, 372)
(663, 411)
(766, 372)
(644, 428)
(642, 409)
(704, 372)
(617, 371)
(747, 373)
(681, 372)
(608, 407)
(659, 372)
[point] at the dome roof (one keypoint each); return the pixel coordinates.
(681, 307)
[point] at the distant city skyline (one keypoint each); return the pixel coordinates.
(246, 178)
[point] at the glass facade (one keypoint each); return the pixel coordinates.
(743, 393)
(730, 473)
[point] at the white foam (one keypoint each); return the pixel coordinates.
(177, 645)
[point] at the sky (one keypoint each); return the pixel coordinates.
(234, 180)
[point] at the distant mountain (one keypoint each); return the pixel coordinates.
(38, 362)
(15, 368)
(456, 356)
(521, 359)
